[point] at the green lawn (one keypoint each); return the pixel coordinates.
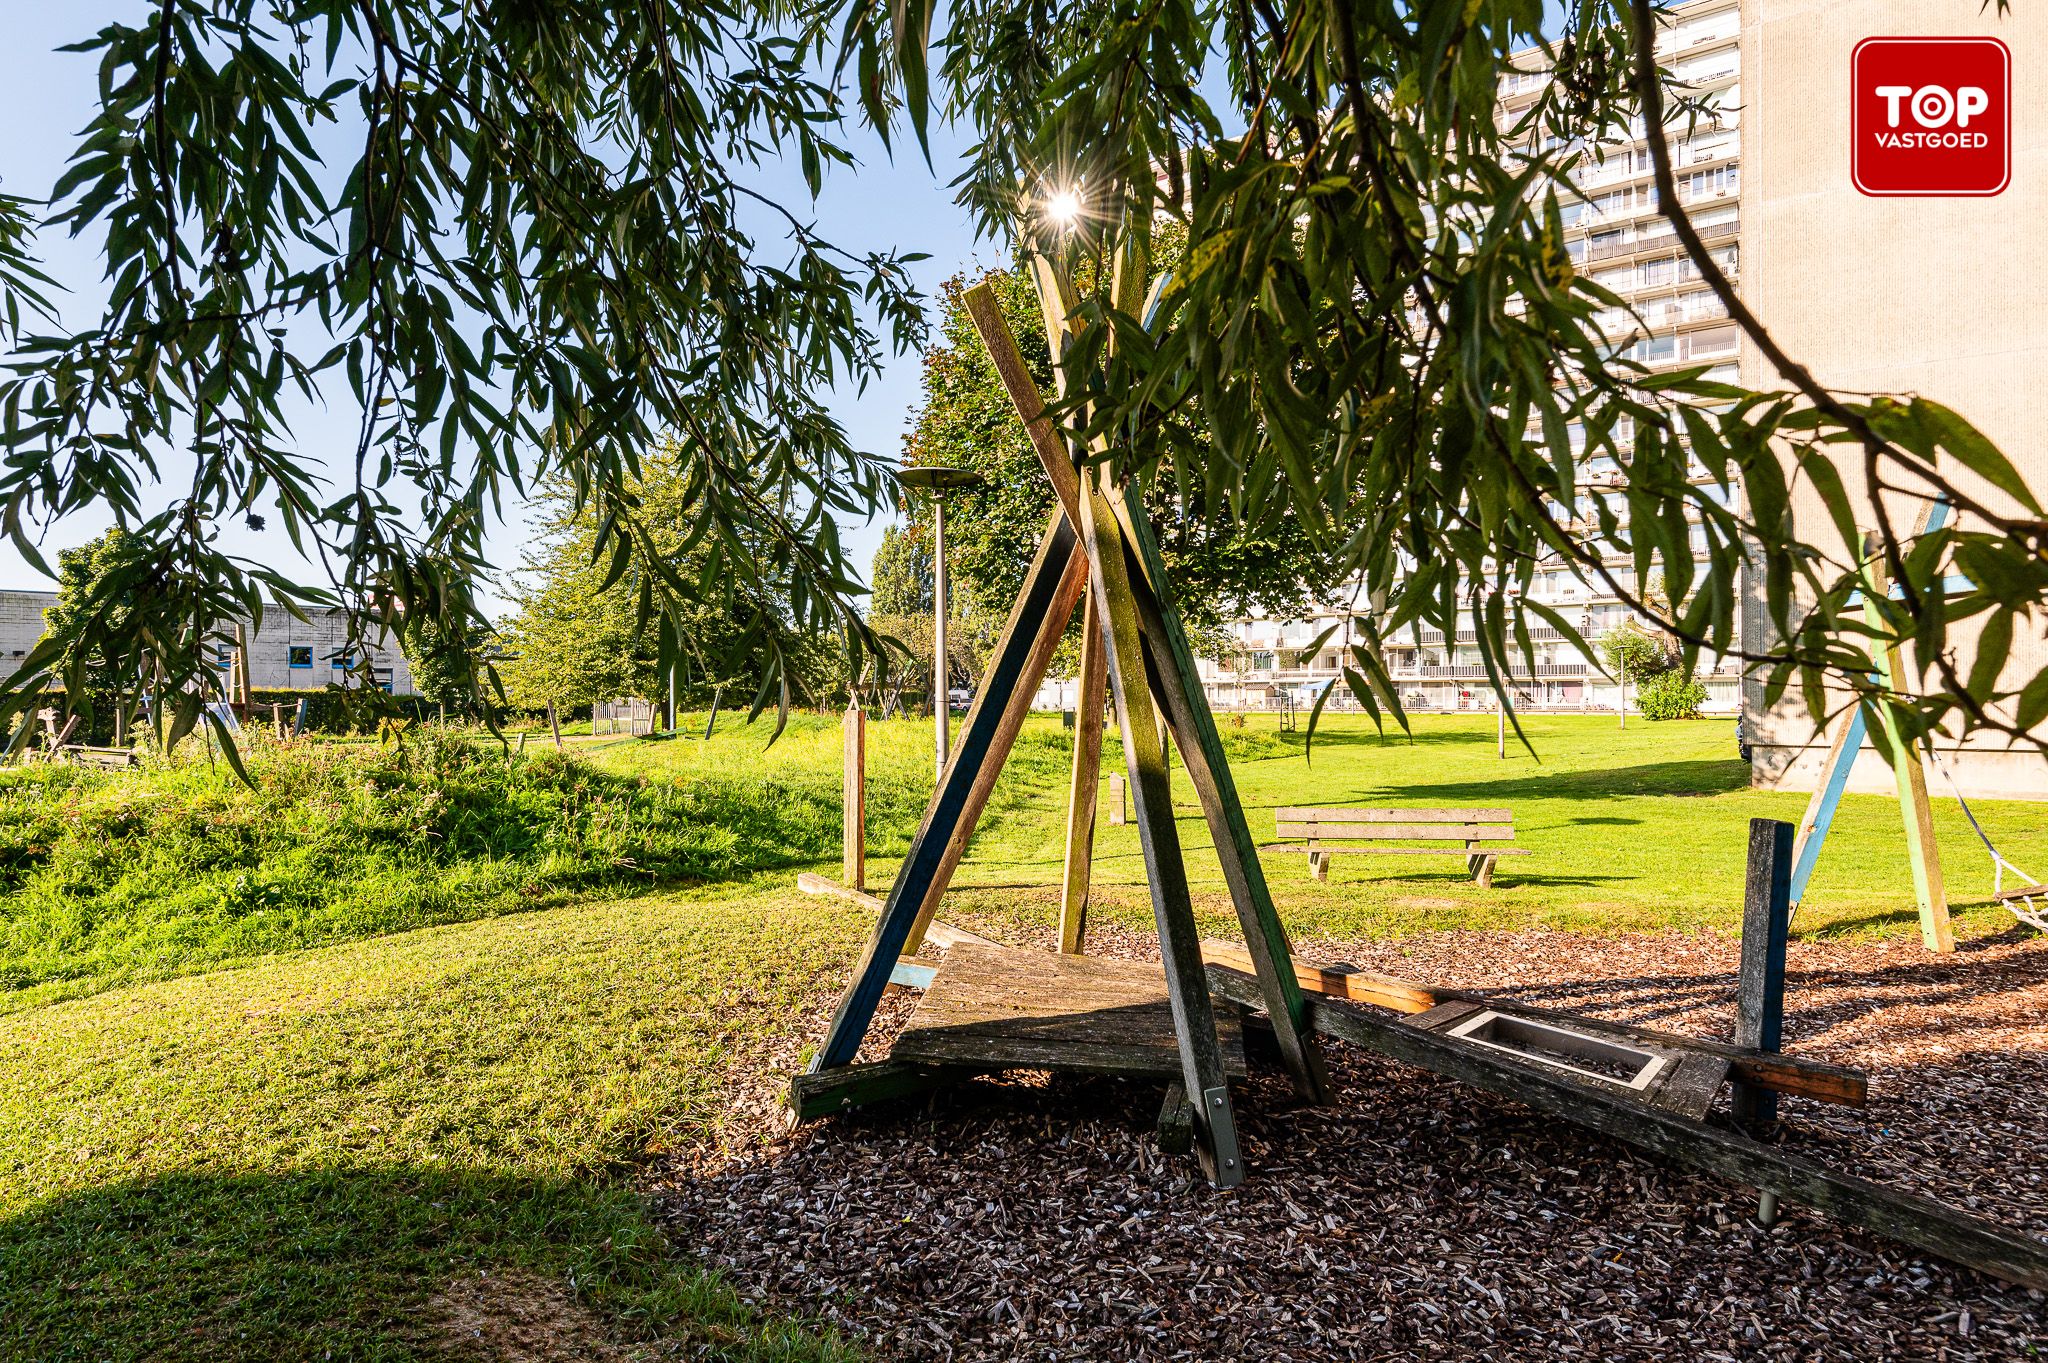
(302, 1155)
(293, 1159)
(1637, 829)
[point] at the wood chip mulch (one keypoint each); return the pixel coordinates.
(1416, 1218)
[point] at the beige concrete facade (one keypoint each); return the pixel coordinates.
(1943, 297)
(284, 653)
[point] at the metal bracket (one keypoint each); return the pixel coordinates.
(1220, 1158)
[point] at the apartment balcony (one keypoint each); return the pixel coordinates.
(1662, 241)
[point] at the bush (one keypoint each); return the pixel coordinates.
(155, 871)
(1671, 695)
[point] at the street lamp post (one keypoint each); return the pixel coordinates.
(938, 482)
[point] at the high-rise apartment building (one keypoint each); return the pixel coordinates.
(1617, 237)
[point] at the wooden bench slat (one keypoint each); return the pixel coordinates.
(1401, 832)
(1292, 814)
(1404, 851)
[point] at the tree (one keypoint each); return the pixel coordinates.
(447, 661)
(94, 682)
(526, 262)
(902, 578)
(1381, 334)
(578, 636)
(509, 244)
(1221, 569)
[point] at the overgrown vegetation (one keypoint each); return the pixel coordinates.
(114, 876)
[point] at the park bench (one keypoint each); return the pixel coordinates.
(1475, 831)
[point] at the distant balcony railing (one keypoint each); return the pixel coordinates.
(1719, 231)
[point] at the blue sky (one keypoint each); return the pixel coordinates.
(900, 203)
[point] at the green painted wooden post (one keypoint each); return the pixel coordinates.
(1936, 933)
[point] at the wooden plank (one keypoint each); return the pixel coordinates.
(1826, 799)
(1083, 784)
(1004, 1008)
(939, 934)
(1923, 1223)
(910, 973)
(1689, 1087)
(1814, 1079)
(1172, 907)
(1010, 713)
(1444, 1015)
(1176, 1121)
(1173, 676)
(1760, 983)
(1296, 814)
(1037, 621)
(1090, 510)
(1399, 832)
(1326, 850)
(853, 831)
(822, 1093)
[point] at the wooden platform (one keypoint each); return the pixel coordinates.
(993, 1007)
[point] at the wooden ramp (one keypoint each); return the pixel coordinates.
(991, 1007)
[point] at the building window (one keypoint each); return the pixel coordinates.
(300, 655)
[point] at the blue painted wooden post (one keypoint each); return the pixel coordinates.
(1020, 653)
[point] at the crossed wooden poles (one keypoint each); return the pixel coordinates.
(1100, 544)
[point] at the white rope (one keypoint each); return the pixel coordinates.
(2030, 908)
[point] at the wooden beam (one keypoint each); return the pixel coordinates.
(853, 832)
(820, 1093)
(1760, 989)
(1081, 789)
(1924, 854)
(1174, 677)
(1814, 1079)
(1920, 1222)
(1167, 665)
(1044, 626)
(1180, 947)
(1826, 799)
(939, 934)
(1038, 620)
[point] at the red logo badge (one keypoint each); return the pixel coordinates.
(1931, 116)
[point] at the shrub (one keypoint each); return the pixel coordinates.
(1671, 695)
(179, 864)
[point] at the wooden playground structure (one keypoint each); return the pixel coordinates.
(1186, 1021)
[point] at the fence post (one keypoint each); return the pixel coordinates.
(1119, 804)
(1760, 988)
(853, 866)
(555, 723)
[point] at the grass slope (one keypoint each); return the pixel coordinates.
(292, 1159)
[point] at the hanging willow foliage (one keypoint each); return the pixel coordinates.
(508, 241)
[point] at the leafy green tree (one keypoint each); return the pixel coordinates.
(526, 261)
(902, 579)
(447, 661)
(579, 635)
(1672, 694)
(93, 682)
(1220, 570)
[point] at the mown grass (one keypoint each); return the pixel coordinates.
(292, 1159)
(1637, 829)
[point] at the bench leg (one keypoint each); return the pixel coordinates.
(1318, 865)
(1482, 869)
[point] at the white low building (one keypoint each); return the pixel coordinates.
(285, 653)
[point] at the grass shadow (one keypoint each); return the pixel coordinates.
(388, 1263)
